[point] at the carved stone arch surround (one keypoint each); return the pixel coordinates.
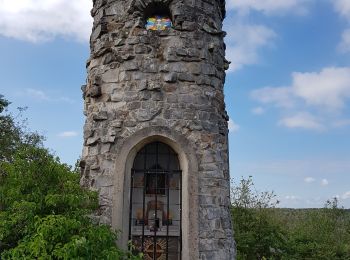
(189, 166)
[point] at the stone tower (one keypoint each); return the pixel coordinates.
(156, 133)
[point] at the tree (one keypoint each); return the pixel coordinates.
(257, 231)
(13, 133)
(44, 211)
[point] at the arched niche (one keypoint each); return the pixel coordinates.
(157, 16)
(145, 9)
(126, 155)
(155, 221)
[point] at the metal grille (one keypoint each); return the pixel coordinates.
(155, 203)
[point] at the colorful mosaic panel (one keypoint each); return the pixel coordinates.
(158, 23)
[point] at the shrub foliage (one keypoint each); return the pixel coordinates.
(44, 211)
(263, 231)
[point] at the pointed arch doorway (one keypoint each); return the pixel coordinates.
(155, 226)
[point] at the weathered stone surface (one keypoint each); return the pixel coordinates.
(130, 65)
(117, 97)
(147, 114)
(186, 77)
(110, 76)
(189, 26)
(94, 91)
(173, 79)
(102, 115)
(142, 49)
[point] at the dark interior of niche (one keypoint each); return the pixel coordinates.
(156, 9)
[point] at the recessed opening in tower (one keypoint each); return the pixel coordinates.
(157, 17)
(156, 203)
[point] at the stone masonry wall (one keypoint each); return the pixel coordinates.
(172, 78)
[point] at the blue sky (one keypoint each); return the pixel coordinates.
(287, 91)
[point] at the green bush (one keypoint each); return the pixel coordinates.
(321, 234)
(43, 210)
(265, 232)
(258, 234)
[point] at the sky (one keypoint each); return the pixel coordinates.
(287, 90)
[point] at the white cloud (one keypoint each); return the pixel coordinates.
(244, 42)
(293, 201)
(292, 197)
(309, 180)
(290, 201)
(66, 100)
(341, 123)
(322, 96)
(244, 39)
(232, 126)
(344, 46)
(268, 6)
(258, 111)
(342, 7)
(42, 20)
(329, 88)
(68, 134)
(301, 120)
(36, 94)
(346, 195)
(295, 168)
(279, 96)
(316, 202)
(324, 182)
(40, 95)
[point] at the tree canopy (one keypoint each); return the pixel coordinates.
(44, 213)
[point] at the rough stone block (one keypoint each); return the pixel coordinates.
(186, 77)
(110, 76)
